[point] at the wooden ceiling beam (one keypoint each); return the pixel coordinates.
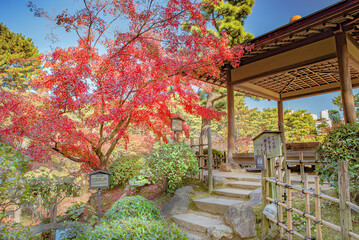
(295, 58)
(353, 49)
(333, 87)
(258, 91)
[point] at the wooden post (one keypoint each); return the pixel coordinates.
(53, 219)
(230, 112)
(161, 140)
(318, 210)
(345, 79)
(344, 196)
(280, 113)
(271, 173)
(284, 149)
(280, 196)
(301, 158)
(307, 207)
(210, 180)
(201, 160)
(265, 221)
(289, 204)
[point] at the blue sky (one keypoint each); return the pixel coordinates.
(266, 16)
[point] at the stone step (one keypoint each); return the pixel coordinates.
(233, 192)
(196, 222)
(245, 184)
(251, 179)
(192, 235)
(216, 205)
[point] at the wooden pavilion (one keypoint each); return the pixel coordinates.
(314, 55)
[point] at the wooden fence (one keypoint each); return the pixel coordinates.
(276, 190)
(203, 158)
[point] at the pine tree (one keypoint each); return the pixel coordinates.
(19, 60)
(227, 16)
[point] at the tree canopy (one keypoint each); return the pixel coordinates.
(227, 16)
(19, 60)
(116, 77)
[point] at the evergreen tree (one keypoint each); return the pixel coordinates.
(337, 100)
(227, 16)
(19, 60)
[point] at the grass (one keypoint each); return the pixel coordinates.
(330, 213)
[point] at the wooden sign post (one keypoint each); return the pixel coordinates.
(99, 180)
(176, 126)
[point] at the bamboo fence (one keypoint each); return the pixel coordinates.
(286, 204)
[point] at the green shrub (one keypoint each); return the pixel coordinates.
(77, 231)
(215, 152)
(140, 180)
(136, 229)
(75, 211)
(124, 169)
(136, 206)
(14, 191)
(15, 231)
(171, 163)
(50, 186)
(340, 144)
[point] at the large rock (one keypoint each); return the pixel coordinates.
(179, 203)
(255, 197)
(242, 219)
(184, 192)
(215, 179)
(231, 167)
(220, 231)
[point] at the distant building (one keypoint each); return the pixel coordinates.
(323, 120)
(314, 116)
(324, 114)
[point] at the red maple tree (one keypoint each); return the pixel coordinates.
(118, 75)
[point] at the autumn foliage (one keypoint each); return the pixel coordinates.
(133, 63)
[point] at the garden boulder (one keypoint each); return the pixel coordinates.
(242, 219)
(255, 197)
(179, 202)
(231, 167)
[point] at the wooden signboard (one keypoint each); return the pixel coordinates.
(99, 179)
(269, 142)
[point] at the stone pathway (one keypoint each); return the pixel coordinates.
(206, 220)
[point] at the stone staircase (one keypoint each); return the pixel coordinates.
(206, 220)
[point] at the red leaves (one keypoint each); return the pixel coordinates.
(140, 73)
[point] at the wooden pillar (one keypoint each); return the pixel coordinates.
(344, 197)
(349, 117)
(230, 111)
(345, 79)
(280, 113)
